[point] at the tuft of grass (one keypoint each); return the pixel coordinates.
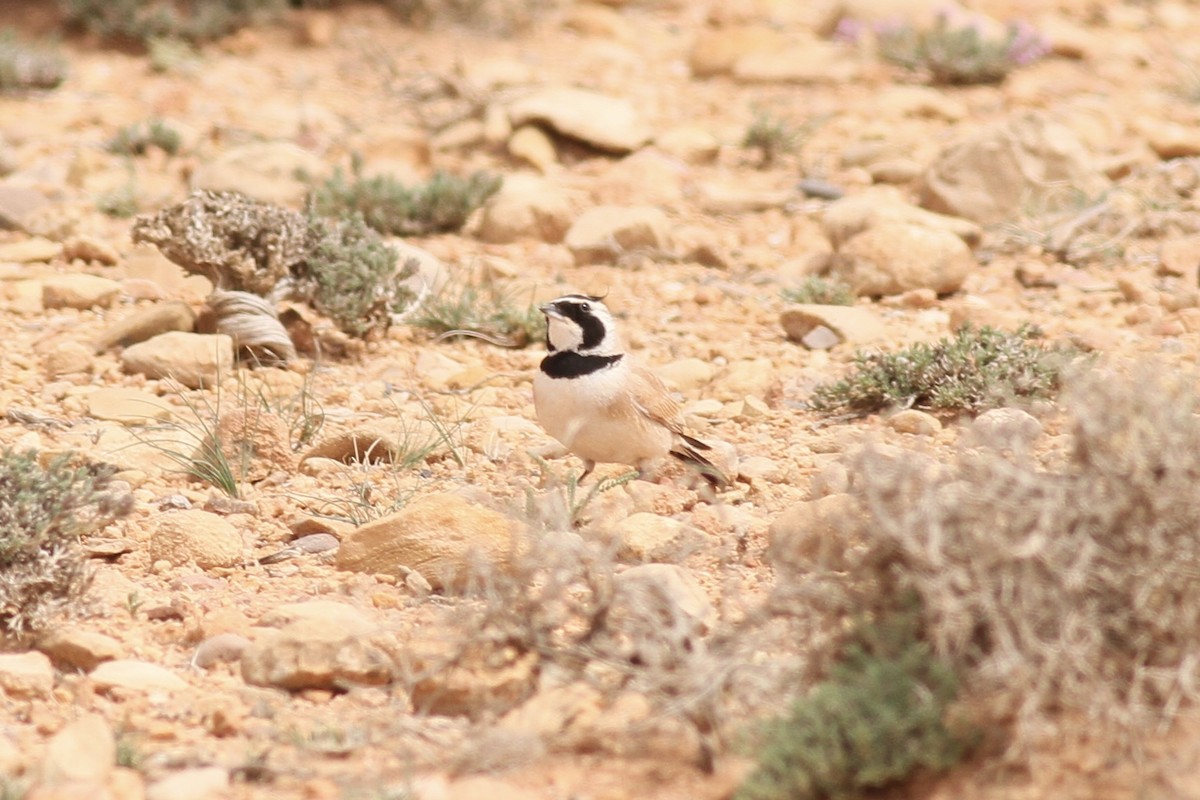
(43, 511)
(562, 506)
(465, 309)
(880, 716)
(960, 53)
(774, 136)
(145, 20)
(169, 54)
(138, 138)
(821, 291)
(974, 370)
(130, 753)
(351, 275)
(25, 65)
(443, 204)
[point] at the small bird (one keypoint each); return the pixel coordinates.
(602, 408)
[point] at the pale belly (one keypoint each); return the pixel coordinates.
(594, 421)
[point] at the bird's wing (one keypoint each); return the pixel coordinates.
(653, 401)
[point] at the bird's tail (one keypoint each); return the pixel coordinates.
(687, 452)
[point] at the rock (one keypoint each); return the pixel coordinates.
(1170, 140)
(478, 683)
(995, 173)
(18, 204)
(1004, 428)
(649, 537)
(319, 645)
(590, 19)
(194, 783)
(257, 441)
(22, 296)
(811, 61)
(192, 359)
(714, 52)
(661, 612)
(607, 123)
(604, 233)
(135, 676)
(79, 291)
(918, 423)
(896, 257)
(852, 215)
(526, 207)
(76, 648)
(847, 323)
(686, 374)
(530, 143)
(895, 170)
(720, 198)
(814, 533)
(83, 752)
(441, 536)
(1180, 256)
(646, 178)
(225, 647)
(146, 323)
(920, 101)
(196, 537)
(375, 442)
(127, 406)
(86, 248)
(756, 377)
(29, 251)
(26, 674)
(265, 171)
(689, 143)
(69, 358)
(311, 544)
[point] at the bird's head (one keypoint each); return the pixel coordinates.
(581, 323)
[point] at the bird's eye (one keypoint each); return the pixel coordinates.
(584, 307)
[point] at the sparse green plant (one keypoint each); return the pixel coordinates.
(774, 136)
(467, 309)
(351, 275)
(169, 54)
(122, 201)
(821, 291)
(563, 504)
(143, 20)
(974, 370)
(133, 604)
(129, 751)
(879, 716)
(958, 53)
(26, 65)
(329, 740)
(12, 789)
(136, 139)
(43, 511)
(387, 205)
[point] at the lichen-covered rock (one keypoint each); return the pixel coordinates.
(198, 537)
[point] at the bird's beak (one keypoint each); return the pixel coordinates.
(551, 311)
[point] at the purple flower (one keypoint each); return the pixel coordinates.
(849, 30)
(1026, 45)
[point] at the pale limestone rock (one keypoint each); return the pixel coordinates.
(87, 248)
(812, 534)
(127, 406)
(135, 676)
(811, 62)
(69, 358)
(83, 752)
(530, 143)
(194, 783)
(686, 374)
(714, 52)
(193, 359)
(79, 291)
(605, 232)
(852, 215)
(689, 143)
(76, 648)
(526, 207)
(479, 683)
(223, 647)
(26, 674)
(1005, 428)
(649, 537)
(146, 323)
(30, 251)
(896, 257)
(196, 537)
(852, 324)
(911, 420)
(605, 122)
(265, 171)
(441, 536)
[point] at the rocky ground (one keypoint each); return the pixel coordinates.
(260, 646)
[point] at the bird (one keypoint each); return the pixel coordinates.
(589, 395)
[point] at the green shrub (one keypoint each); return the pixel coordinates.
(821, 291)
(143, 20)
(879, 717)
(774, 136)
(483, 312)
(29, 66)
(443, 204)
(136, 139)
(351, 275)
(960, 53)
(43, 511)
(974, 370)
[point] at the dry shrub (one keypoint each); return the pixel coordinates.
(1062, 588)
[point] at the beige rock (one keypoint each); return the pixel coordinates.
(661, 611)
(723, 198)
(992, 175)
(714, 52)
(84, 752)
(265, 171)
(127, 406)
(605, 232)
(194, 783)
(256, 441)
(372, 442)
(441, 536)
(69, 358)
(530, 143)
(814, 534)
(649, 537)
(26, 674)
(605, 122)
(689, 143)
(1005, 428)
(895, 170)
(1169, 140)
(596, 20)
(896, 257)
(910, 420)
(852, 324)
(811, 62)
(87, 248)
(686, 374)
(327, 646)
(22, 297)
(79, 291)
(479, 683)
(224, 647)
(76, 648)
(192, 359)
(492, 72)
(526, 207)
(852, 215)
(135, 676)
(19, 205)
(645, 178)
(757, 377)
(146, 323)
(920, 101)
(196, 537)
(29, 251)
